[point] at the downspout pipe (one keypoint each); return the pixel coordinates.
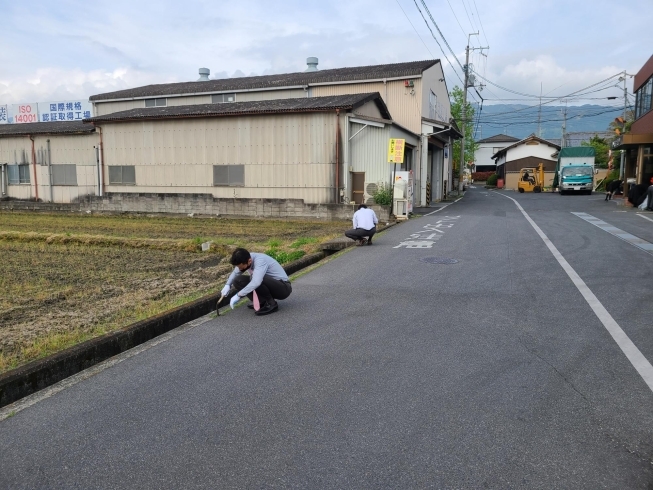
(36, 182)
(337, 155)
(101, 153)
(3, 176)
(50, 171)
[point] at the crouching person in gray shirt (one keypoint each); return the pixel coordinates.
(266, 277)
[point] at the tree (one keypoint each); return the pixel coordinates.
(618, 128)
(456, 98)
(601, 149)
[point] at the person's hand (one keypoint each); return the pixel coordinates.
(225, 290)
(234, 300)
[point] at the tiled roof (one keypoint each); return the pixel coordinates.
(499, 138)
(532, 137)
(374, 72)
(63, 127)
(276, 106)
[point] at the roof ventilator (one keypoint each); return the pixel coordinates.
(312, 64)
(204, 75)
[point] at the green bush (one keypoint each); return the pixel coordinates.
(492, 179)
(383, 195)
(283, 257)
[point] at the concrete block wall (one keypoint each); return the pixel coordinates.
(199, 204)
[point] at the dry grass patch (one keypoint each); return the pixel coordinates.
(69, 278)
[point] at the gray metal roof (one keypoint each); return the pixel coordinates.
(62, 127)
(532, 137)
(394, 70)
(276, 106)
(499, 138)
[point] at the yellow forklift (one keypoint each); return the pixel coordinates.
(531, 179)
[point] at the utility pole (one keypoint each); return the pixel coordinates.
(622, 163)
(464, 115)
(564, 127)
(539, 115)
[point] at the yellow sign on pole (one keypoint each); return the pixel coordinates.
(396, 150)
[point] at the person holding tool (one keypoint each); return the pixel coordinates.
(266, 282)
(364, 222)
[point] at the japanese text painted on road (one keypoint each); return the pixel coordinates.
(431, 233)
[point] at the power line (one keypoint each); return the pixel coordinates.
(438, 42)
(441, 35)
(479, 20)
(420, 37)
(468, 17)
(456, 17)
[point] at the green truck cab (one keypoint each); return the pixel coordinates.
(575, 170)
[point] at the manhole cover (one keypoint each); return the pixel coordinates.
(439, 260)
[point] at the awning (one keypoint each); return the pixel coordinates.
(629, 140)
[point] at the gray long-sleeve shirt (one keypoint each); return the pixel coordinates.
(262, 265)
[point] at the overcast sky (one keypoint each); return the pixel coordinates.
(69, 49)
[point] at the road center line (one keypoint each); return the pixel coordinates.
(613, 230)
(445, 206)
(636, 358)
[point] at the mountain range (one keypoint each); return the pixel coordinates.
(520, 120)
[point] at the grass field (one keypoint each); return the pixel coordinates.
(67, 278)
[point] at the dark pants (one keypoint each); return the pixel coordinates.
(360, 233)
(269, 290)
(649, 194)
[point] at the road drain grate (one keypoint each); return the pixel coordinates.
(439, 260)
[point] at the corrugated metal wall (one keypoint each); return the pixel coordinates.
(405, 108)
(286, 156)
(65, 149)
(369, 153)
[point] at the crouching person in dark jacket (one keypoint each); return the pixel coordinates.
(265, 283)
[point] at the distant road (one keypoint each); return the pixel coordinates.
(477, 347)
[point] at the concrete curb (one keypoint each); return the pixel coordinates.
(30, 378)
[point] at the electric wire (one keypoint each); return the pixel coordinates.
(456, 17)
(418, 35)
(441, 35)
(481, 22)
(438, 42)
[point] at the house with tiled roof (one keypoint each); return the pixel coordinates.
(487, 147)
(526, 153)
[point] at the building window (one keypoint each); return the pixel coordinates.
(222, 98)
(495, 150)
(433, 103)
(64, 174)
(18, 174)
(156, 102)
(643, 100)
(122, 175)
(229, 175)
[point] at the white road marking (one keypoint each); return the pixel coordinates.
(645, 217)
(630, 350)
(619, 233)
(28, 401)
(446, 205)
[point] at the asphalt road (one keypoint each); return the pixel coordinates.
(383, 370)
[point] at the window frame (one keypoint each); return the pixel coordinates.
(68, 173)
(222, 96)
(24, 179)
(121, 167)
(238, 179)
(156, 102)
(433, 104)
(644, 96)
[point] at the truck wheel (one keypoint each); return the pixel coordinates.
(537, 188)
(521, 191)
